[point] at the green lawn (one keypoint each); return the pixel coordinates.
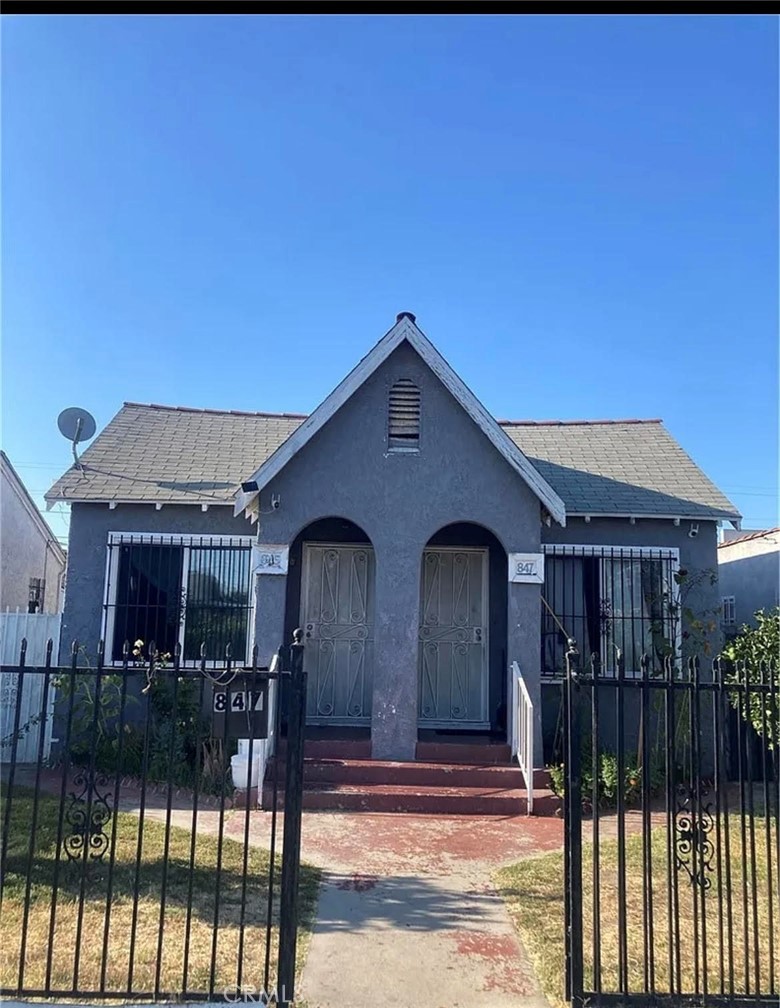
(533, 890)
(197, 931)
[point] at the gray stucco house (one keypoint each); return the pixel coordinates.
(423, 545)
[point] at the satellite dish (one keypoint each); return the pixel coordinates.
(76, 425)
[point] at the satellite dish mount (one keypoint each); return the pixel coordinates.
(76, 425)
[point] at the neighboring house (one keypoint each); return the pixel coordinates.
(32, 562)
(749, 575)
(406, 530)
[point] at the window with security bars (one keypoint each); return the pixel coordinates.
(178, 590)
(729, 610)
(403, 418)
(613, 602)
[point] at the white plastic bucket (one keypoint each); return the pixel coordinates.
(239, 768)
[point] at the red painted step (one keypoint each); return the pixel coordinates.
(332, 748)
(352, 771)
(421, 800)
(466, 752)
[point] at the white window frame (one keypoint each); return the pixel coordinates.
(728, 604)
(183, 539)
(670, 553)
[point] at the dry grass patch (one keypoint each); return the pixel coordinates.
(736, 912)
(186, 909)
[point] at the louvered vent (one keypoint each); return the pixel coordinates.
(403, 421)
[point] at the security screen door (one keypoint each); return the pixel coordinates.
(453, 662)
(337, 608)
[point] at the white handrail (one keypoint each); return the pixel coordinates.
(523, 732)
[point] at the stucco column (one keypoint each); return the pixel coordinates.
(394, 713)
(524, 646)
(270, 591)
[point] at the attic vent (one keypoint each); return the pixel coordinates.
(403, 419)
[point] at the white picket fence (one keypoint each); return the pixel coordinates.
(37, 629)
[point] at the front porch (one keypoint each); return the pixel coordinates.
(454, 664)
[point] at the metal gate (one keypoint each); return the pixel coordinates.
(134, 862)
(671, 870)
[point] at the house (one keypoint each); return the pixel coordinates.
(422, 545)
(33, 562)
(749, 575)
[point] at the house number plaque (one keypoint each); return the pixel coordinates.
(270, 558)
(526, 568)
(240, 710)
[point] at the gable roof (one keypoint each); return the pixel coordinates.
(405, 329)
(179, 455)
(631, 468)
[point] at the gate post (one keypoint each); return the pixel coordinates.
(293, 805)
(573, 828)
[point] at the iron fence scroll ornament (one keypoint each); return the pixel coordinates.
(694, 848)
(87, 816)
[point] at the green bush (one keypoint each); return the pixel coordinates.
(608, 778)
(755, 652)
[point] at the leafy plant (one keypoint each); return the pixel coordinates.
(755, 654)
(608, 779)
(94, 703)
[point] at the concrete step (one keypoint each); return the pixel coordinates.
(464, 752)
(420, 800)
(418, 774)
(344, 749)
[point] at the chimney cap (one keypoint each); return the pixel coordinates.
(406, 314)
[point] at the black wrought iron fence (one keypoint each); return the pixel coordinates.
(672, 870)
(134, 864)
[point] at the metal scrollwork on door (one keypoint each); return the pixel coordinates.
(87, 816)
(693, 847)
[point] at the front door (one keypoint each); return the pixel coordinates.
(453, 662)
(337, 614)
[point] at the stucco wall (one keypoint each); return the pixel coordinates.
(400, 501)
(750, 571)
(26, 552)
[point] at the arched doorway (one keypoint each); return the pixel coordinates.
(463, 632)
(330, 594)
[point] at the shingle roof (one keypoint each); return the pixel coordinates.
(623, 467)
(176, 454)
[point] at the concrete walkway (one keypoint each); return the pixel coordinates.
(407, 911)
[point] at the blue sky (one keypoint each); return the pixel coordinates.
(229, 211)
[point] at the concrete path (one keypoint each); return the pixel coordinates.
(408, 914)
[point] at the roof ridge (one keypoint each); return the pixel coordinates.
(216, 412)
(575, 423)
(303, 416)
